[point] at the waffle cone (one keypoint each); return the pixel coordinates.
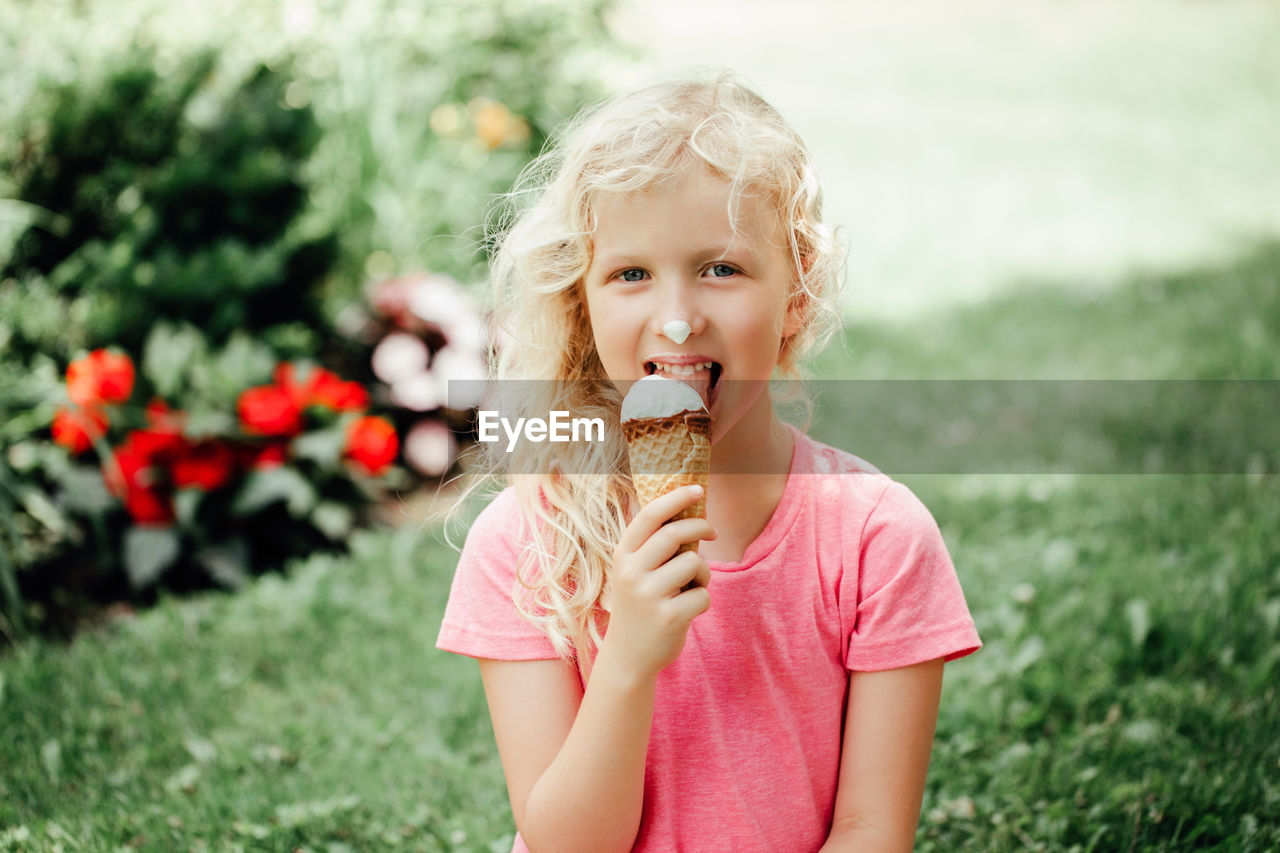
(667, 453)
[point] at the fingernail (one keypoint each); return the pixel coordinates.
(696, 490)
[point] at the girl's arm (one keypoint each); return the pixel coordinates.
(574, 764)
(888, 736)
(575, 761)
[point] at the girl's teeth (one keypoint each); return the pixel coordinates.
(684, 369)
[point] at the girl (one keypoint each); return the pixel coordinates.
(776, 690)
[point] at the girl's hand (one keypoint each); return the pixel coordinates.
(651, 611)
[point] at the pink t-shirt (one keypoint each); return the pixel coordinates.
(850, 573)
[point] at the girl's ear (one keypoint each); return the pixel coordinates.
(797, 311)
(798, 305)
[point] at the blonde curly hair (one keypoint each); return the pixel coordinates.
(634, 143)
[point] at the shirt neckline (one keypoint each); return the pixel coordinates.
(783, 514)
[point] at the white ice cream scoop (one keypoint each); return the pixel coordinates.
(658, 397)
(677, 330)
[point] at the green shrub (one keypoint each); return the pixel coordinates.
(213, 213)
(152, 211)
(412, 100)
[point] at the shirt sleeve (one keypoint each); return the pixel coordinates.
(908, 607)
(481, 619)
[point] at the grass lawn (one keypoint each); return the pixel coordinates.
(312, 711)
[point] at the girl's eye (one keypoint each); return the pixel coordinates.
(722, 271)
(632, 275)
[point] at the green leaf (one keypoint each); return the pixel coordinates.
(228, 564)
(148, 551)
(12, 551)
(169, 353)
(263, 488)
(186, 503)
(23, 456)
(39, 507)
(324, 446)
(85, 491)
(205, 422)
(333, 519)
(243, 362)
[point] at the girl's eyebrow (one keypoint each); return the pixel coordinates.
(740, 251)
(619, 260)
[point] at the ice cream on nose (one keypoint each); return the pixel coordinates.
(677, 330)
(668, 434)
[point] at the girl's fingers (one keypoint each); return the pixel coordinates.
(703, 577)
(663, 544)
(679, 572)
(692, 602)
(656, 513)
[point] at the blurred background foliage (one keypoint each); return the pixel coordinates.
(145, 213)
(424, 111)
(215, 191)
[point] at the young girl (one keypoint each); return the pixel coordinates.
(776, 690)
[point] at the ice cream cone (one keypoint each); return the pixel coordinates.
(667, 453)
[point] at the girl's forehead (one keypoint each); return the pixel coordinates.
(693, 204)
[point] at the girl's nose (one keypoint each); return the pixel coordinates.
(677, 326)
(676, 316)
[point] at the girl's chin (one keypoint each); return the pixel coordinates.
(739, 402)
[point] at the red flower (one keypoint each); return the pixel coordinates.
(160, 446)
(270, 410)
(77, 429)
(128, 468)
(161, 417)
(372, 443)
(205, 466)
(100, 377)
(265, 456)
(150, 507)
(132, 475)
(285, 378)
(324, 388)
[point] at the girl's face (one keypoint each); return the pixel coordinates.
(673, 255)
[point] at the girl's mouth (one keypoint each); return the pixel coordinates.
(703, 377)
